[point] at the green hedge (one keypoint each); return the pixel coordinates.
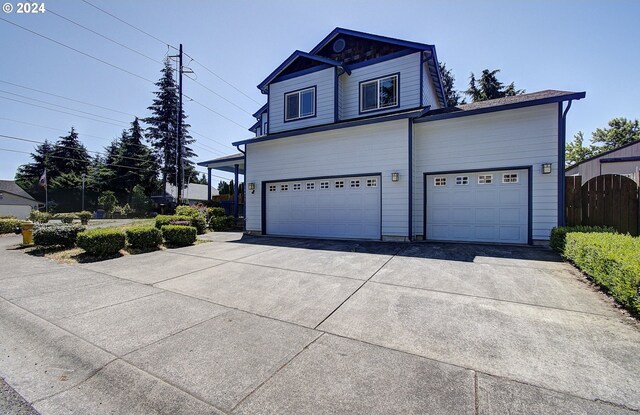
(559, 233)
(56, 235)
(102, 242)
(65, 217)
(197, 222)
(8, 225)
(177, 235)
(39, 217)
(612, 260)
(215, 212)
(222, 223)
(144, 237)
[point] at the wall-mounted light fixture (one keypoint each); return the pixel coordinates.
(546, 168)
(252, 188)
(395, 176)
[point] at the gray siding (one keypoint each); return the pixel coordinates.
(429, 96)
(409, 68)
(592, 168)
(323, 81)
(521, 137)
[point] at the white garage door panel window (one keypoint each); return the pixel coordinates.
(488, 206)
(345, 207)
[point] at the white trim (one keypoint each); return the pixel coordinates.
(299, 94)
(377, 81)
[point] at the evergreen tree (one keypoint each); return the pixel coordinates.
(28, 175)
(489, 87)
(576, 152)
(162, 129)
(69, 159)
(621, 131)
(133, 162)
(452, 96)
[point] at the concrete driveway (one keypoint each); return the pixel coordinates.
(250, 325)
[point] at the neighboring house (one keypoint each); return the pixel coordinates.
(624, 160)
(15, 201)
(192, 193)
(356, 142)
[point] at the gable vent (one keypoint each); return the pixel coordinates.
(339, 45)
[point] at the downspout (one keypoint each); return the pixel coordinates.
(562, 132)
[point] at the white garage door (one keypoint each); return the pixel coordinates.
(490, 206)
(345, 207)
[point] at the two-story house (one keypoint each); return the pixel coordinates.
(356, 141)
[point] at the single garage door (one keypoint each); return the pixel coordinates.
(344, 207)
(487, 206)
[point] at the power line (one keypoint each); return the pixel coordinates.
(220, 96)
(10, 137)
(214, 111)
(78, 51)
(63, 112)
(68, 99)
(222, 79)
(129, 24)
(211, 139)
(62, 106)
(103, 36)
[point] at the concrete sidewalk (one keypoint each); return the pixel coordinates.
(249, 325)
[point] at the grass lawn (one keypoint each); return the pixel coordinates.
(77, 255)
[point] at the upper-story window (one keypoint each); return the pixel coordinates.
(300, 104)
(379, 93)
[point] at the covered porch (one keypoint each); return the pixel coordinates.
(233, 163)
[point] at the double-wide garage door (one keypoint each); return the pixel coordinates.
(487, 206)
(343, 207)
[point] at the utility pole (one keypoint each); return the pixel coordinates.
(179, 138)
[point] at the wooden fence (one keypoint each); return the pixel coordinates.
(607, 200)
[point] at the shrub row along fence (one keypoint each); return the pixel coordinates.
(607, 200)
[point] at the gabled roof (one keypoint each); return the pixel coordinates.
(341, 31)
(295, 55)
(10, 186)
(605, 153)
(260, 111)
(255, 126)
(501, 104)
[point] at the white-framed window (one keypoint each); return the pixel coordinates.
(272, 187)
(284, 187)
(297, 186)
(354, 183)
(324, 185)
(439, 181)
(485, 178)
(379, 93)
(311, 185)
(510, 178)
(372, 182)
(462, 180)
(339, 184)
(300, 104)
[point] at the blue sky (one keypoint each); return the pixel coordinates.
(571, 45)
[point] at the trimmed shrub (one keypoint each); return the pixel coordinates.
(56, 235)
(84, 217)
(144, 237)
(213, 212)
(612, 260)
(186, 211)
(559, 233)
(102, 242)
(222, 223)
(39, 217)
(197, 222)
(8, 217)
(8, 225)
(65, 217)
(177, 235)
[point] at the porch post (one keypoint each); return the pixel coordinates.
(235, 190)
(209, 183)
